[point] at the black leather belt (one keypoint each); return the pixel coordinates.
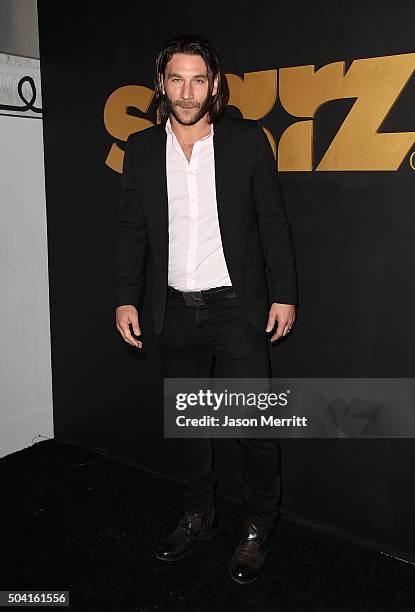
(198, 298)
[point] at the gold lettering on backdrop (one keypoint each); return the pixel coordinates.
(255, 94)
(119, 124)
(376, 83)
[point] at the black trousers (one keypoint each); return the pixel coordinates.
(216, 339)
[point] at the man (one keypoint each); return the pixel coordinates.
(201, 193)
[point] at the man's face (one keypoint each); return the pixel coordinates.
(186, 87)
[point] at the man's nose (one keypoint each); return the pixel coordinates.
(187, 91)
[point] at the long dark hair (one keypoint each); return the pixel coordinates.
(192, 44)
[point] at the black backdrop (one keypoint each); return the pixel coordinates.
(353, 234)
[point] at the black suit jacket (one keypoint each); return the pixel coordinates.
(253, 223)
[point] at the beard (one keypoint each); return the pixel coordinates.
(197, 110)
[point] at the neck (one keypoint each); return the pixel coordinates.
(190, 133)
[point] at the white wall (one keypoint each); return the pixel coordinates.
(26, 414)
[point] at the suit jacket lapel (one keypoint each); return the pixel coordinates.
(220, 143)
(219, 140)
(158, 168)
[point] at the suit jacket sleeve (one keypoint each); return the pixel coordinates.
(131, 237)
(274, 227)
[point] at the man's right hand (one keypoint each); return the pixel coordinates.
(125, 315)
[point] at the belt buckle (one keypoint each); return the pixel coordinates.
(193, 298)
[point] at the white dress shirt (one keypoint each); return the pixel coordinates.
(196, 259)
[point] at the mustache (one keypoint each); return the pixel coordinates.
(181, 104)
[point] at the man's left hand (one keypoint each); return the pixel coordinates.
(284, 315)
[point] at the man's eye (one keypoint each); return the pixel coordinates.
(199, 80)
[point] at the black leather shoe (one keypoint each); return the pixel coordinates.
(192, 528)
(250, 554)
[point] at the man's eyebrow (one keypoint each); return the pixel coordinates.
(195, 76)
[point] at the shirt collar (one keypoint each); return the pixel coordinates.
(170, 131)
